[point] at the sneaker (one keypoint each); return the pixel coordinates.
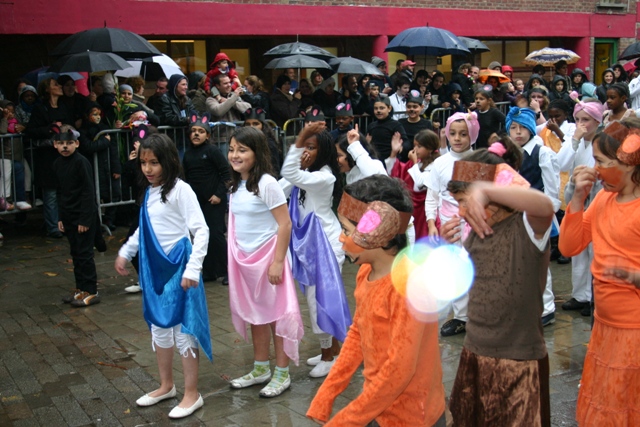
(23, 206)
(563, 260)
(55, 234)
(549, 319)
(39, 202)
(574, 304)
(85, 299)
(322, 369)
(313, 361)
(453, 327)
(133, 289)
(225, 281)
(75, 294)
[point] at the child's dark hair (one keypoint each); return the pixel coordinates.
(621, 88)
(429, 139)
(562, 105)
(385, 189)
(166, 152)
(485, 94)
(512, 157)
(254, 140)
(609, 145)
(343, 143)
(327, 155)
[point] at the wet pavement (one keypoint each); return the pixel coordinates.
(62, 366)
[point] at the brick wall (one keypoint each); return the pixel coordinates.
(585, 6)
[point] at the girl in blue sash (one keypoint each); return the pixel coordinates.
(310, 175)
(174, 303)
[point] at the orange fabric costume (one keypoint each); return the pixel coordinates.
(402, 369)
(610, 386)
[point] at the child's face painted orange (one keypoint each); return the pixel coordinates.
(352, 251)
(609, 170)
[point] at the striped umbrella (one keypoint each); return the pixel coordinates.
(548, 56)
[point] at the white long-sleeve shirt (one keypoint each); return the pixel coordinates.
(550, 170)
(365, 165)
(437, 180)
(318, 198)
(179, 217)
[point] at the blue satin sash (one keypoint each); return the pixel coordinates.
(315, 264)
(165, 303)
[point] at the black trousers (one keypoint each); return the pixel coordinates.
(84, 266)
(215, 263)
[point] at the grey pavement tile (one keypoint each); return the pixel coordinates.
(29, 422)
(49, 416)
(37, 400)
(71, 410)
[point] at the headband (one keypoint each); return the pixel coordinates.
(471, 119)
(377, 222)
(629, 150)
(501, 175)
(593, 109)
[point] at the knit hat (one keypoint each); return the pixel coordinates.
(125, 87)
(495, 64)
(414, 97)
(28, 88)
(326, 82)
(344, 109)
(377, 61)
(523, 116)
(315, 115)
(471, 119)
(202, 122)
(588, 90)
(255, 114)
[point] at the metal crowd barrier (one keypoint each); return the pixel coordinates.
(503, 107)
(122, 191)
(292, 127)
(9, 185)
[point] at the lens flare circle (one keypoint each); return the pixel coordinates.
(431, 274)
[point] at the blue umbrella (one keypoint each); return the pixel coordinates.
(428, 41)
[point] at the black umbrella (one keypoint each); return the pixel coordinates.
(631, 52)
(90, 62)
(298, 48)
(474, 45)
(297, 61)
(115, 40)
(349, 65)
(428, 41)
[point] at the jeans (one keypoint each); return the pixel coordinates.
(18, 181)
(50, 208)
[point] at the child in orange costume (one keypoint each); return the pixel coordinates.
(610, 386)
(402, 370)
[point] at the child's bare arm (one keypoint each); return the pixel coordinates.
(281, 215)
(534, 203)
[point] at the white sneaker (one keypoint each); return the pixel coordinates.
(322, 369)
(133, 289)
(23, 206)
(313, 361)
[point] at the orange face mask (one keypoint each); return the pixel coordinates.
(611, 175)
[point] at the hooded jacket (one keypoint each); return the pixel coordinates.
(574, 73)
(601, 91)
(172, 111)
(554, 94)
(214, 71)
